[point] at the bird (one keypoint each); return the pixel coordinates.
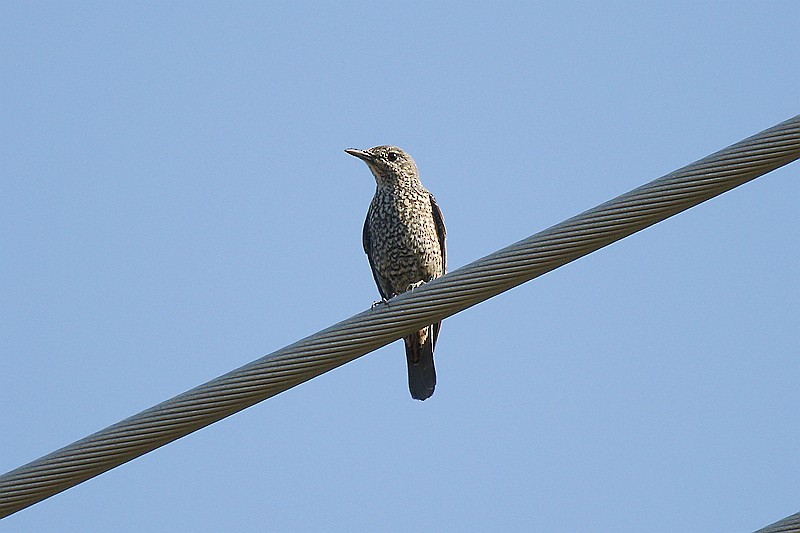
(404, 239)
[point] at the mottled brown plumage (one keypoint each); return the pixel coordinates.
(404, 239)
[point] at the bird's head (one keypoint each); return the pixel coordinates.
(389, 164)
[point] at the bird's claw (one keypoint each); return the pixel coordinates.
(380, 302)
(415, 285)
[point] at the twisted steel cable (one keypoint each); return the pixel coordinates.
(407, 312)
(787, 525)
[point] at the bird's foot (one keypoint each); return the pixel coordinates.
(413, 286)
(382, 301)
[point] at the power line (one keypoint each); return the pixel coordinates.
(408, 312)
(787, 525)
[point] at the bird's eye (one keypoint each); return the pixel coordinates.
(391, 156)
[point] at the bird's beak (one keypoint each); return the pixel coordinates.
(361, 154)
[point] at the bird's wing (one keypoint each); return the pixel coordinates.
(368, 250)
(441, 231)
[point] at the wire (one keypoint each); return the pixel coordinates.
(407, 312)
(790, 523)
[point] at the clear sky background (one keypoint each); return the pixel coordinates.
(175, 202)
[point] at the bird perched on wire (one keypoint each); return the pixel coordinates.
(404, 239)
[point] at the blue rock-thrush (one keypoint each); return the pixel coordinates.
(404, 239)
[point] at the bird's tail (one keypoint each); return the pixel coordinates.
(419, 355)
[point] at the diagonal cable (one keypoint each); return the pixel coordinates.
(790, 524)
(369, 330)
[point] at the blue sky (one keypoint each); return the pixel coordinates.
(175, 202)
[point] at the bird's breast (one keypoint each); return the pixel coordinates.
(404, 242)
